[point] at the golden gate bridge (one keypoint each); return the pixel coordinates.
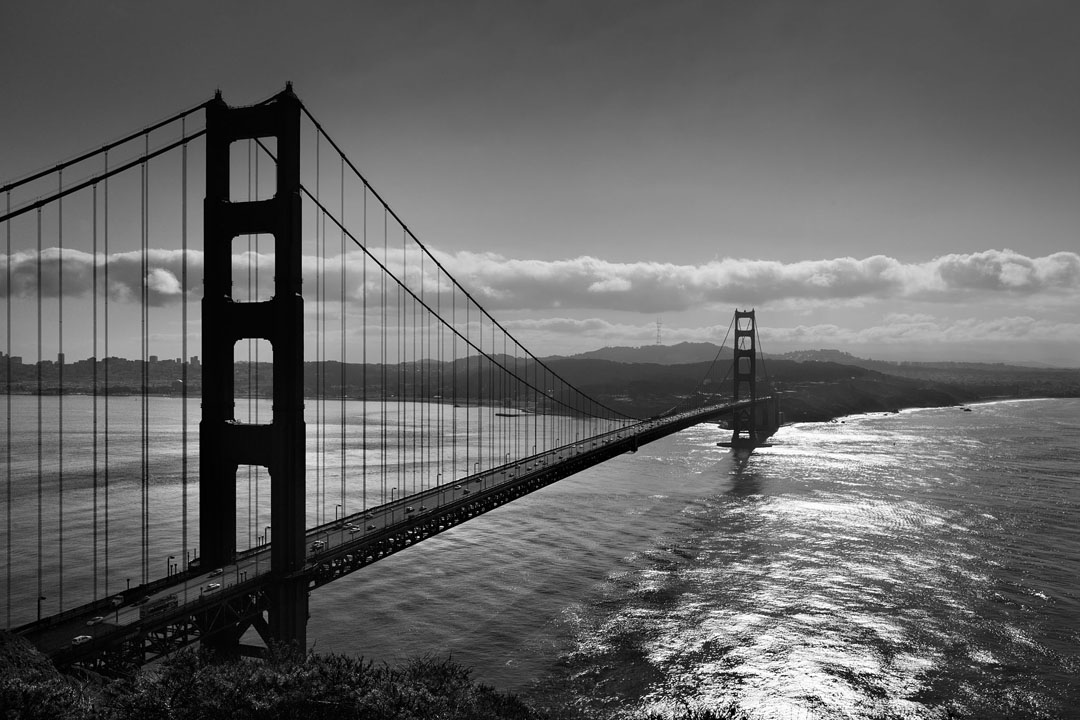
(354, 398)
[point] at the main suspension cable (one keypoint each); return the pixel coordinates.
(421, 245)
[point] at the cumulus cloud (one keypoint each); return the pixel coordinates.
(651, 287)
(500, 284)
(71, 272)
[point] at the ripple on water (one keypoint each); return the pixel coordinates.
(882, 568)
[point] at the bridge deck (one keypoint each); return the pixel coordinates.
(120, 627)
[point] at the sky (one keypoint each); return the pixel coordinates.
(897, 179)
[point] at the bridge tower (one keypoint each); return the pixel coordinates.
(224, 443)
(744, 374)
(751, 425)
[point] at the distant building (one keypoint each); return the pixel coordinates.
(59, 358)
(153, 358)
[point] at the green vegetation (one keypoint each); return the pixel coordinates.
(287, 685)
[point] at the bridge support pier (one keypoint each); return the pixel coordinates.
(224, 443)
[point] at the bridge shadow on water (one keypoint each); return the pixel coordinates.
(744, 479)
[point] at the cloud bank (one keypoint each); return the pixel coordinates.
(650, 287)
(500, 284)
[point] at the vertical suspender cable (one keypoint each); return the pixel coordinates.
(257, 469)
(399, 351)
(60, 361)
(453, 380)
(320, 481)
(468, 395)
(536, 402)
(105, 269)
(94, 388)
(7, 445)
(440, 389)
(416, 358)
(382, 364)
(363, 365)
(40, 545)
(145, 340)
(479, 395)
(341, 392)
(420, 392)
(320, 323)
(505, 449)
(183, 347)
(402, 360)
(252, 533)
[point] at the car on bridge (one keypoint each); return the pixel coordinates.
(80, 639)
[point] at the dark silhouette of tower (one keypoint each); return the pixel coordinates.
(224, 443)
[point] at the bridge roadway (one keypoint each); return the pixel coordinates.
(146, 622)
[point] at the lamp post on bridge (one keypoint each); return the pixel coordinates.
(169, 566)
(337, 509)
(40, 598)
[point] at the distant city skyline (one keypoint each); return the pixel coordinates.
(894, 179)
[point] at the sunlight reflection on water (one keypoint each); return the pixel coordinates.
(868, 569)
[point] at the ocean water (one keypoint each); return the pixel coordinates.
(924, 564)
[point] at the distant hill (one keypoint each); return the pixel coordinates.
(678, 354)
(846, 358)
(817, 384)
